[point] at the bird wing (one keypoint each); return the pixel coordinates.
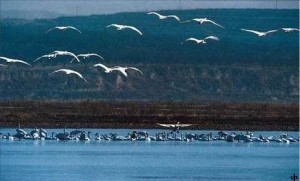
(95, 54)
(155, 13)
(173, 16)
(72, 27)
(101, 65)
(59, 70)
(193, 39)
(39, 58)
(166, 125)
(135, 29)
(50, 30)
(45, 56)
(271, 31)
(69, 71)
(113, 25)
(187, 21)
(56, 52)
(212, 38)
(210, 21)
(252, 31)
(78, 74)
(122, 70)
(133, 68)
(4, 58)
(73, 55)
(183, 125)
(19, 61)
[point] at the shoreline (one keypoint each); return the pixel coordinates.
(146, 115)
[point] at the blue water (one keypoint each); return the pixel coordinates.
(127, 160)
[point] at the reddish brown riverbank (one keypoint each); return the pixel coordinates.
(142, 115)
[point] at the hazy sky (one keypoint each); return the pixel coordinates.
(34, 8)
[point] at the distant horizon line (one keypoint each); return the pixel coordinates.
(58, 15)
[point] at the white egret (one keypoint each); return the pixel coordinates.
(63, 28)
(290, 29)
(66, 53)
(260, 34)
(107, 69)
(122, 27)
(203, 20)
(162, 17)
(175, 127)
(69, 71)
(87, 55)
(198, 41)
(45, 56)
(10, 60)
(123, 70)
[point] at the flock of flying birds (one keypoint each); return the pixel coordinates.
(123, 70)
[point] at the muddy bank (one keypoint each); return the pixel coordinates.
(145, 115)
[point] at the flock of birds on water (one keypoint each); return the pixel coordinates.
(120, 27)
(81, 135)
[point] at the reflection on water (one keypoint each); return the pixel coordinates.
(132, 160)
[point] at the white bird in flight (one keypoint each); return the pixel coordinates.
(260, 34)
(45, 56)
(69, 71)
(122, 27)
(175, 127)
(289, 29)
(203, 20)
(87, 55)
(107, 69)
(63, 28)
(123, 70)
(117, 68)
(162, 17)
(10, 60)
(61, 53)
(198, 41)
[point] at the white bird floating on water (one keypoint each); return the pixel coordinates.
(63, 28)
(260, 34)
(162, 17)
(88, 55)
(61, 53)
(198, 41)
(122, 27)
(289, 29)
(10, 60)
(69, 71)
(203, 20)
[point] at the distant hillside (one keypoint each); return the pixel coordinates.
(240, 67)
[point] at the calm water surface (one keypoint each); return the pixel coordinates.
(127, 160)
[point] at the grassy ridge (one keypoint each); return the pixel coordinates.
(142, 115)
(240, 67)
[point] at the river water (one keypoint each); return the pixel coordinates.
(137, 160)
